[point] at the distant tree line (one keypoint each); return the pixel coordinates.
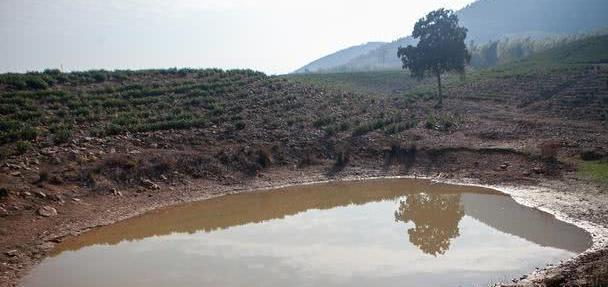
(510, 50)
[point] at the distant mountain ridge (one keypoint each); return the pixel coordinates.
(341, 57)
(487, 20)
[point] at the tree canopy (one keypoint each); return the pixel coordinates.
(441, 47)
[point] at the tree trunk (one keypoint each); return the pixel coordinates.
(439, 94)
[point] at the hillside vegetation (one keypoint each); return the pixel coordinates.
(216, 110)
(297, 116)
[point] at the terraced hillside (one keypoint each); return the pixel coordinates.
(213, 120)
(242, 120)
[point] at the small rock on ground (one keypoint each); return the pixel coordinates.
(47, 211)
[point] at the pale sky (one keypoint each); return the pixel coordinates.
(273, 36)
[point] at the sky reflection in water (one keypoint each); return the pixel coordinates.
(384, 232)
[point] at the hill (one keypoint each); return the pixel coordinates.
(339, 58)
(490, 20)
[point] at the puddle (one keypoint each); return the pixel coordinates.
(373, 233)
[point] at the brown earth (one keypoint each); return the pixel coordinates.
(530, 137)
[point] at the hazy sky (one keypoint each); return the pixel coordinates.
(274, 36)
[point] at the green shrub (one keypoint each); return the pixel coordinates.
(431, 122)
(370, 126)
(113, 129)
(36, 83)
(323, 121)
(81, 112)
(28, 133)
(442, 122)
(361, 130)
(448, 121)
(16, 82)
(52, 72)
(395, 128)
(11, 131)
(22, 147)
(99, 76)
(176, 124)
(595, 170)
(216, 110)
(330, 130)
(239, 125)
(344, 126)
(60, 133)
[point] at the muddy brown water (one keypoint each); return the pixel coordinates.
(369, 233)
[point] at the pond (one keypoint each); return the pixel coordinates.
(369, 233)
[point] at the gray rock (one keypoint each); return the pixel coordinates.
(3, 212)
(47, 211)
(115, 192)
(46, 246)
(57, 197)
(149, 184)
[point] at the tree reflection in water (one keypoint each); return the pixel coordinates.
(436, 218)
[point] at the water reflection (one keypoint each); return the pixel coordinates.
(250, 208)
(337, 234)
(436, 219)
